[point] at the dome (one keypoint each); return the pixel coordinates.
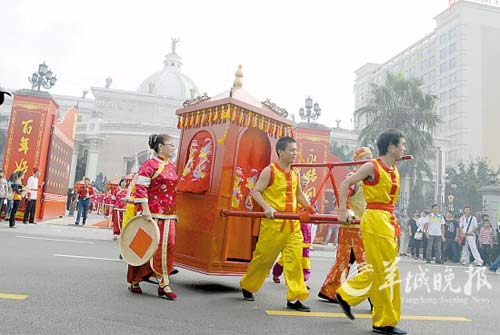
(170, 82)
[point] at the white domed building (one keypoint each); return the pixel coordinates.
(113, 130)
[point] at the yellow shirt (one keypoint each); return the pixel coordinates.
(382, 191)
(281, 194)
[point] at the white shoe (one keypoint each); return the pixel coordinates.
(494, 272)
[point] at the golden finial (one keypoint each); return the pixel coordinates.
(238, 77)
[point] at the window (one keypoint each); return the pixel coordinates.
(443, 97)
(432, 61)
(443, 68)
(432, 75)
(443, 111)
(452, 48)
(412, 72)
(452, 63)
(452, 34)
(452, 93)
(452, 78)
(443, 39)
(443, 82)
(452, 109)
(443, 53)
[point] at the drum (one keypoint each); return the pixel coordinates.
(139, 240)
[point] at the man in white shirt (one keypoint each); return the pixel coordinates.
(467, 229)
(434, 231)
(32, 189)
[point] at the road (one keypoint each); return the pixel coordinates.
(61, 279)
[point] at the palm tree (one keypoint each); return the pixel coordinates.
(401, 104)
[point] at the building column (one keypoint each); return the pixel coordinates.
(92, 158)
(74, 160)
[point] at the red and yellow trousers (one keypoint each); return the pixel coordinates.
(350, 248)
(162, 261)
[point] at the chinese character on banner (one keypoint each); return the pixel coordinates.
(24, 145)
(21, 166)
(311, 175)
(27, 127)
(312, 158)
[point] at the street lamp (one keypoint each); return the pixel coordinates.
(44, 77)
(312, 111)
(451, 198)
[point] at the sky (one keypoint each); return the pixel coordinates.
(289, 49)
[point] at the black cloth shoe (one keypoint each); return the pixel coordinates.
(248, 296)
(298, 306)
(371, 305)
(389, 330)
(346, 308)
(174, 271)
(324, 297)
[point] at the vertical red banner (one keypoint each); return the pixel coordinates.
(28, 137)
(313, 145)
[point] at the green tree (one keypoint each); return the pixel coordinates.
(401, 104)
(465, 181)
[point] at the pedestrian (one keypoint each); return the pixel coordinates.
(3, 191)
(421, 222)
(468, 229)
(84, 194)
(404, 221)
(31, 196)
(486, 241)
(350, 248)
(278, 190)
(434, 231)
(155, 192)
(17, 190)
(379, 231)
(118, 207)
(415, 238)
(451, 238)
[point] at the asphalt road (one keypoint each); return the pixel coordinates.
(45, 289)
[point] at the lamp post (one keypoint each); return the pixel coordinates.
(312, 111)
(44, 77)
(451, 198)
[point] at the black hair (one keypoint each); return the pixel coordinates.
(155, 140)
(283, 142)
(122, 180)
(387, 138)
(87, 178)
(434, 205)
(468, 206)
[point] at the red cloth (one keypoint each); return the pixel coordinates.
(85, 192)
(156, 185)
(117, 217)
(143, 272)
(349, 242)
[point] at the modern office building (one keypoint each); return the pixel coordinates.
(459, 62)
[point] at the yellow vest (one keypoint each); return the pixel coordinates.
(382, 191)
(281, 194)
